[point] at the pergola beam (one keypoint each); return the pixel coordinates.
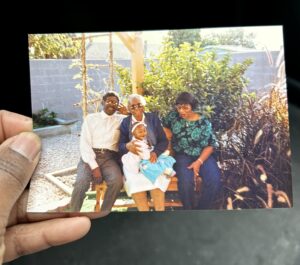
(134, 44)
(127, 40)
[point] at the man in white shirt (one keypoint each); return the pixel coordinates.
(99, 161)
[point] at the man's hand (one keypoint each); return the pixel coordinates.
(153, 157)
(19, 155)
(133, 147)
(97, 175)
(122, 109)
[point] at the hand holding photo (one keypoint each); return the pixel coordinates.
(160, 120)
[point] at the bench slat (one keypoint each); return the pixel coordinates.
(101, 188)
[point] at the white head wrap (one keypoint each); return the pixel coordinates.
(137, 124)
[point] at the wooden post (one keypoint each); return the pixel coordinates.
(111, 64)
(83, 73)
(98, 197)
(135, 45)
(137, 64)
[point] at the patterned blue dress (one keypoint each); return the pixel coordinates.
(189, 138)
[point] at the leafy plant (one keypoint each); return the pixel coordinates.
(178, 37)
(94, 94)
(235, 37)
(53, 46)
(256, 154)
(217, 85)
(44, 118)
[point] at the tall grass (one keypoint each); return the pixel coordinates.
(256, 155)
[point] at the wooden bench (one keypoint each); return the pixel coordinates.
(101, 188)
(173, 186)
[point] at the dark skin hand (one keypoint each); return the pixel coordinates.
(21, 232)
(195, 166)
(153, 157)
(133, 147)
(97, 175)
(96, 172)
(123, 110)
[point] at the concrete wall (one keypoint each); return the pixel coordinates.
(53, 86)
(260, 73)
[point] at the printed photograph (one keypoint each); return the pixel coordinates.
(165, 120)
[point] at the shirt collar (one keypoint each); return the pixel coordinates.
(133, 119)
(105, 116)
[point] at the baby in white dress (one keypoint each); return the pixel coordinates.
(138, 168)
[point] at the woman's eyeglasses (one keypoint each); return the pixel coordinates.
(183, 107)
(136, 106)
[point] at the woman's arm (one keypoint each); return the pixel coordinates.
(195, 166)
(162, 141)
(169, 135)
(124, 137)
(206, 152)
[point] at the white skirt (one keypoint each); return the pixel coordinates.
(136, 181)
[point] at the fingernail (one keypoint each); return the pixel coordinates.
(27, 144)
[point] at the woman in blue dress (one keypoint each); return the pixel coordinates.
(193, 143)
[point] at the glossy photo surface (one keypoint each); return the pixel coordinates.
(165, 120)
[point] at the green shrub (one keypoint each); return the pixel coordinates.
(253, 132)
(217, 85)
(44, 118)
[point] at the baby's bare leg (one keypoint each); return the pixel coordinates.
(141, 201)
(158, 197)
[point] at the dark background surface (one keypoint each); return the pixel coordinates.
(206, 237)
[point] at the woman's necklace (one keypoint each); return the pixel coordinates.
(193, 119)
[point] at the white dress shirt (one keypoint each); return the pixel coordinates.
(99, 130)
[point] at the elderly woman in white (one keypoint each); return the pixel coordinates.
(137, 184)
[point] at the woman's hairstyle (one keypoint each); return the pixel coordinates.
(187, 98)
(110, 94)
(140, 98)
(136, 124)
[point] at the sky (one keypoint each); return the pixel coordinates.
(270, 37)
(265, 36)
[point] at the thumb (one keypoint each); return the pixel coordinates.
(18, 158)
(190, 166)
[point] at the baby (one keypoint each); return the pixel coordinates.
(140, 163)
